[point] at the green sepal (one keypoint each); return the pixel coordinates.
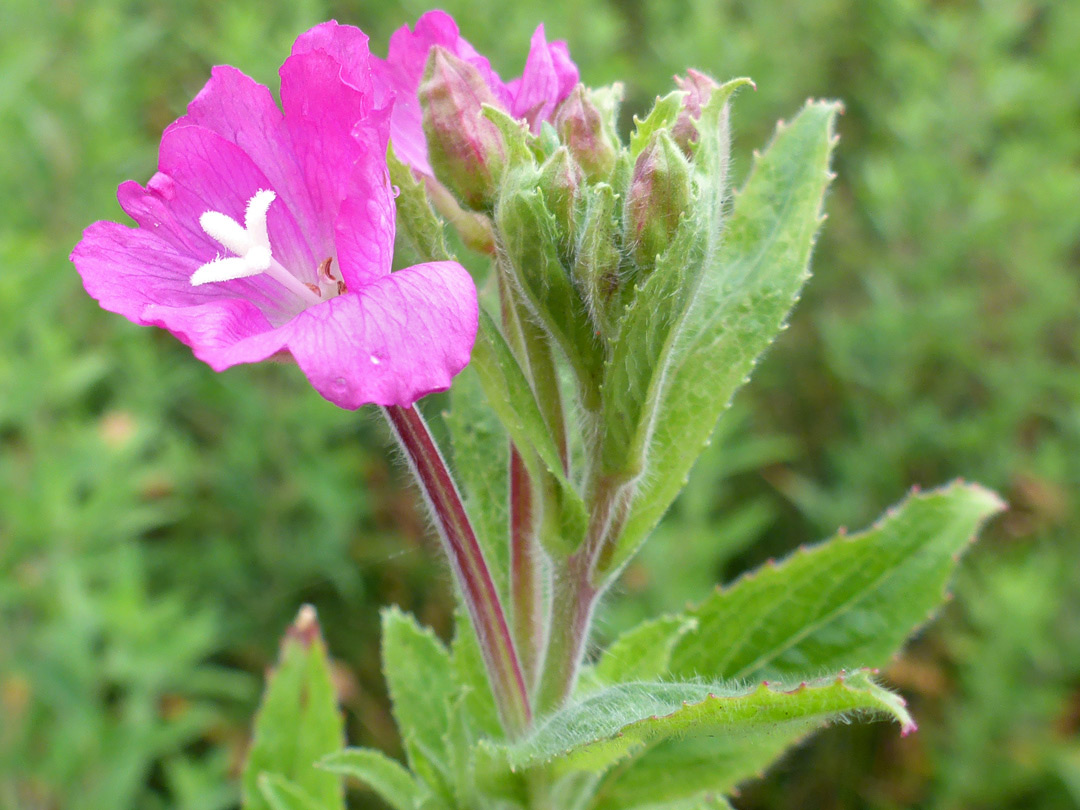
(622, 720)
(738, 307)
(416, 220)
(298, 722)
(387, 777)
(661, 116)
(597, 267)
(522, 147)
(530, 257)
(851, 601)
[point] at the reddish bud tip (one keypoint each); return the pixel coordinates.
(464, 147)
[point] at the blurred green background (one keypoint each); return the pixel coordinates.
(160, 524)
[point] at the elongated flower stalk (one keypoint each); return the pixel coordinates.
(470, 570)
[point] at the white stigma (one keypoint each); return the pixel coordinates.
(250, 242)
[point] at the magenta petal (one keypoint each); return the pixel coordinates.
(132, 272)
(243, 112)
(345, 44)
(403, 69)
(548, 78)
(391, 342)
(364, 230)
(221, 333)
(321, 111)
(210, 173)
(127, 269)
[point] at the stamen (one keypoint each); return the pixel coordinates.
(251, 244)
(226, 231)
(255, 216)
(225, 269)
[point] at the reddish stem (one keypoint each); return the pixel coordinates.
(467, 562)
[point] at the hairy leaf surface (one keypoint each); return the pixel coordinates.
(605, 727)
(386, 777)
(849, 602)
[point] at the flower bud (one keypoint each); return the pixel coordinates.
(466, 149)
(659, 193)
(698, 88)
(582, 127)
(560, 183)
(597, 260)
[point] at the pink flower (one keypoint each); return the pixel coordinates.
(548, 78)
(267, 232)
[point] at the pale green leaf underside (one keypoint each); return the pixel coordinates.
(679, 772)
(739, 306)
(849, 602)
(387, 777)
(621, 720)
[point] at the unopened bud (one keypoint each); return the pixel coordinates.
(466, 149)
(699, 88)
(582, 127)
(659, 193)
(597, 258)
(560, 183)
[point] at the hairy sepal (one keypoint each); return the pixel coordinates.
(529, 256)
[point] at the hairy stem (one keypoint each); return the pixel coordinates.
(526, 572)
(471, 572)
(576, 595)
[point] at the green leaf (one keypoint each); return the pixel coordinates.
(481, 461)
(849, 602)
(642, 653)
(677, 773)
(298, 722)
(634, 375)
(738, 308)
(280, 793)
(417, 222)
(624, 719)
(387, 777)
(421, 683)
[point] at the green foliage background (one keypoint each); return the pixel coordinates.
(160, 524)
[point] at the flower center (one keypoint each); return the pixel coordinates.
(250, 243)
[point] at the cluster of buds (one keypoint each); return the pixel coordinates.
(582, 220)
